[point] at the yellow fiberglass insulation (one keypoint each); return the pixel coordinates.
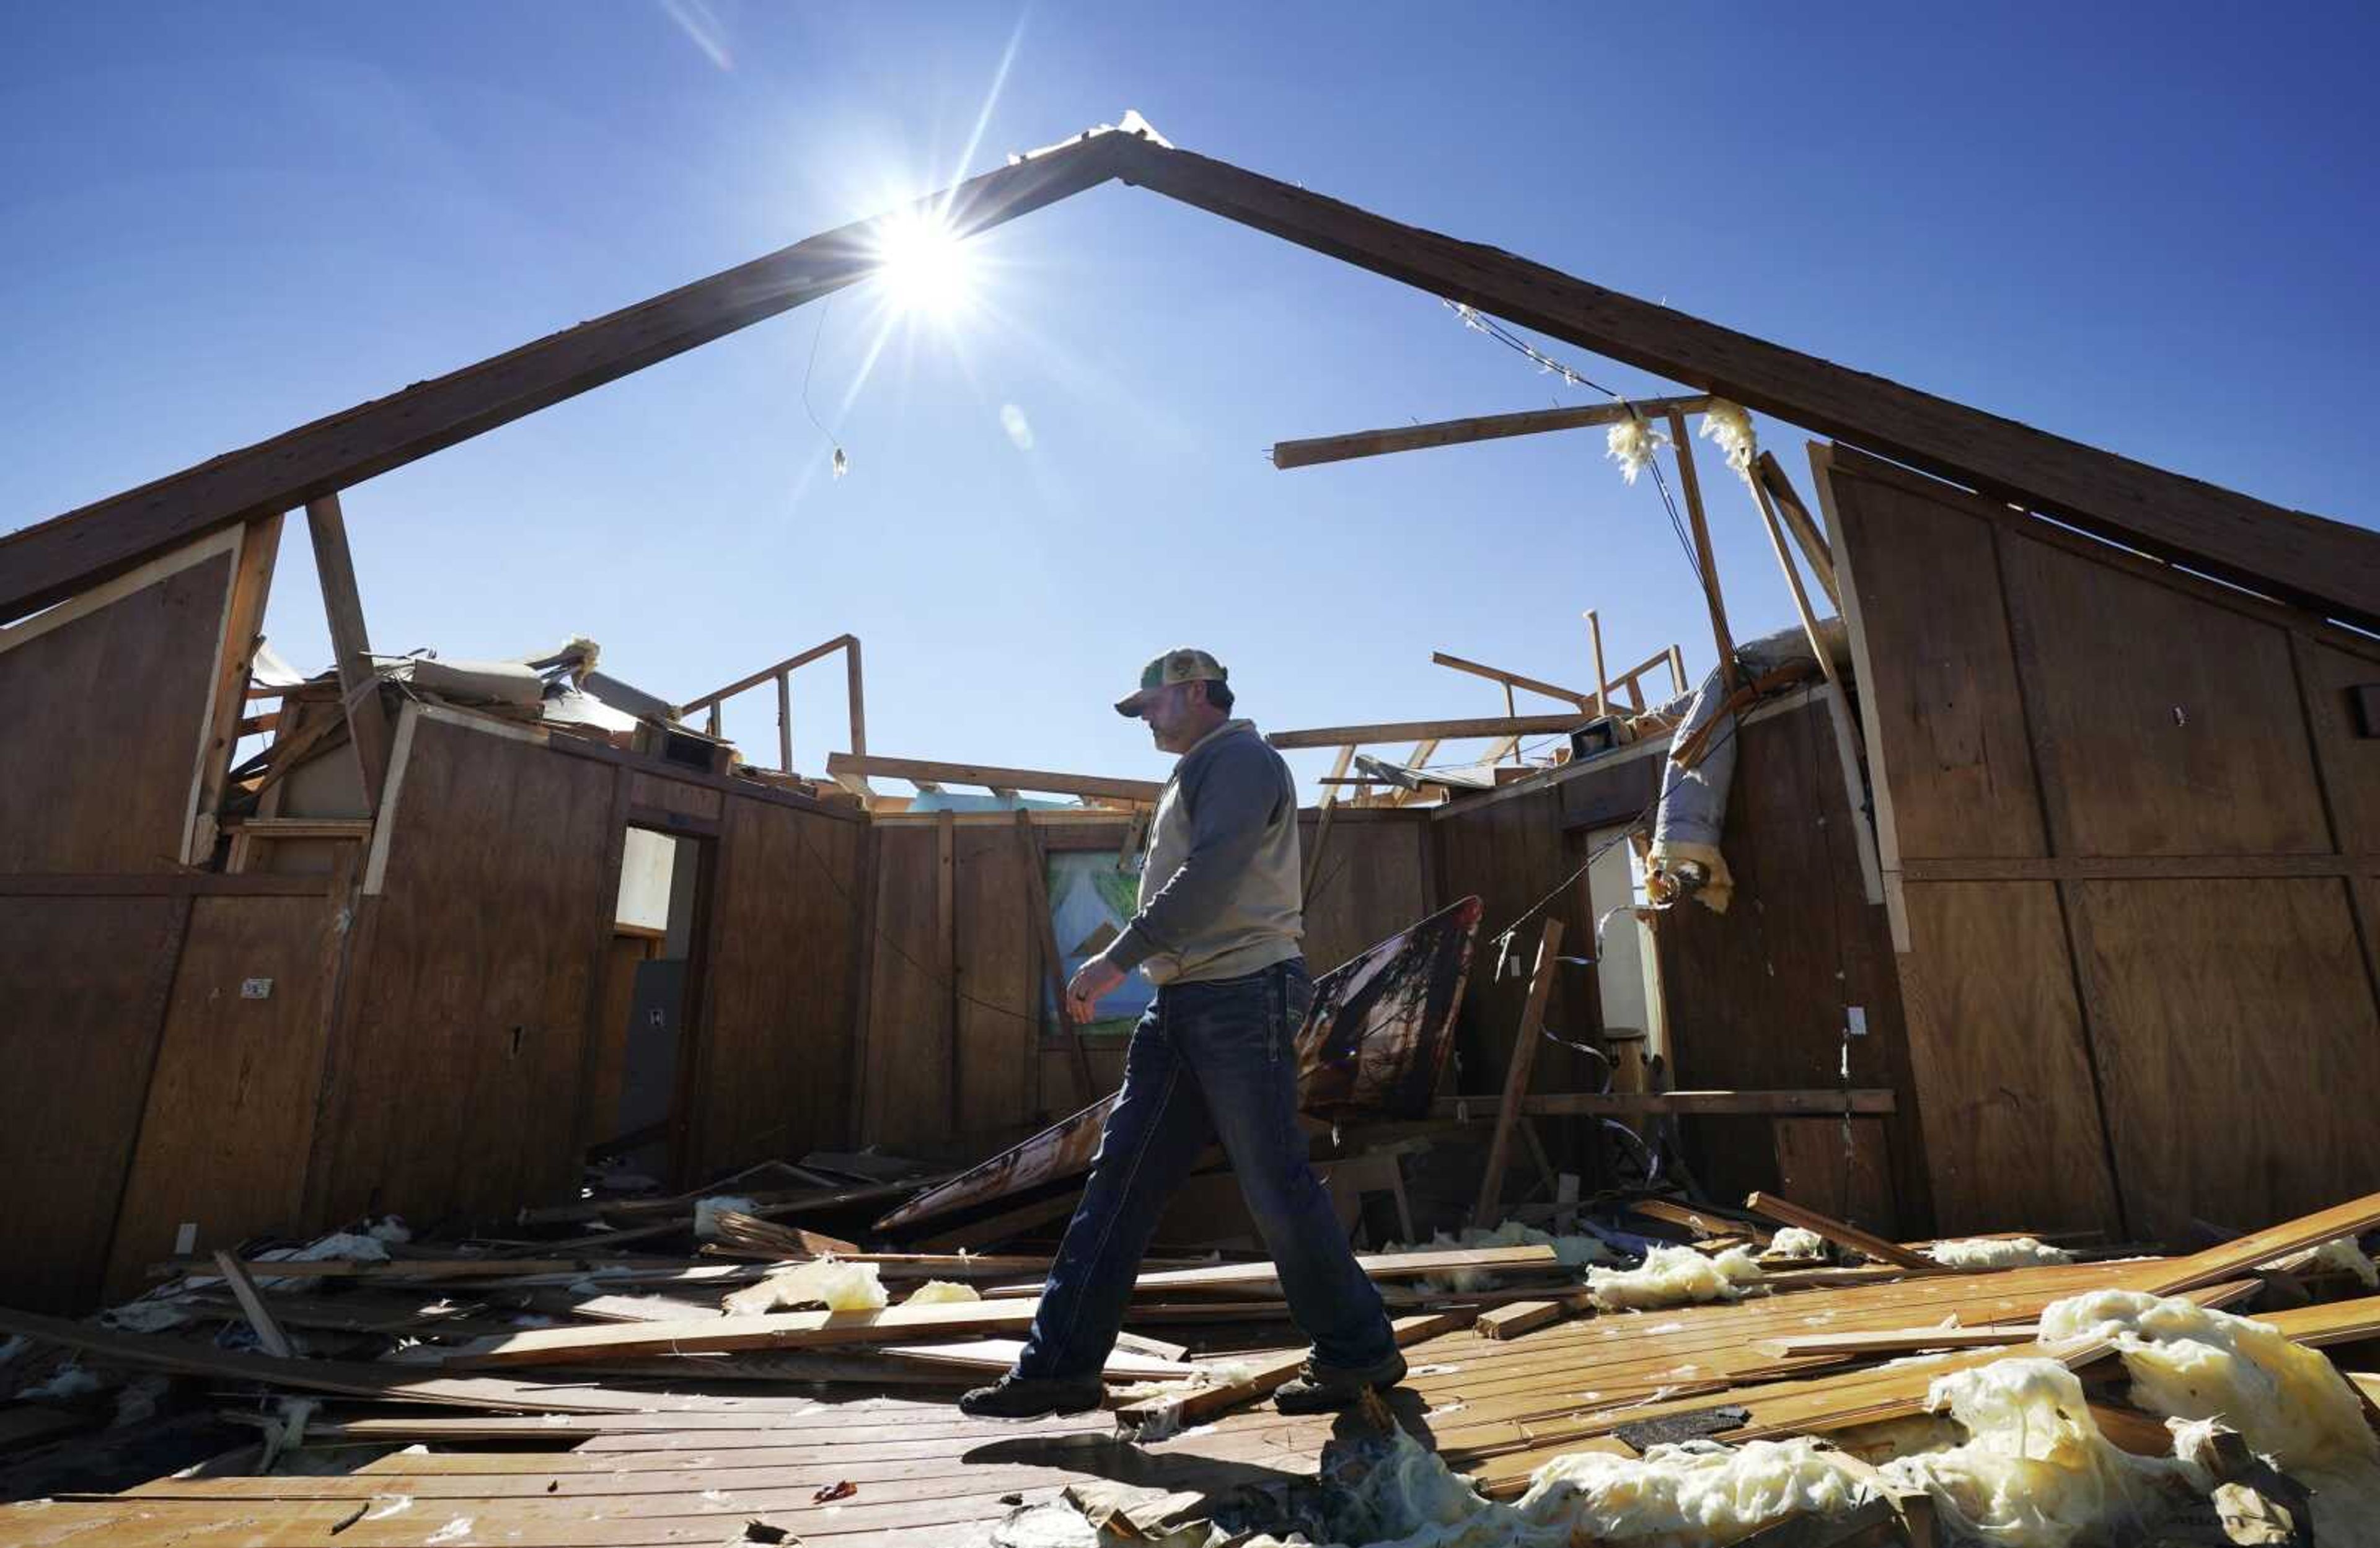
(1695, 1495)
(1996, 1252)
(1674, 1277)
(2287, 1402)
(939, 1292)
(1793, 1241)
(828, 1282)
(2034, 1471)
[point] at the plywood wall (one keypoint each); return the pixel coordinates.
(1761, 996)
(105, 703)
(85, 978)
(2127, 826)
(455, 1057)
(1756, 998)
(229, 1115)
(775, 1044)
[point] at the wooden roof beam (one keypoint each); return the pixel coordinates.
(1513, 678)
(53, 560)
(1461, 432)
(923, 772)
(2326, 566)
(1440, 730)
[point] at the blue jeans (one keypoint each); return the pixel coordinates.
(1209, 1061)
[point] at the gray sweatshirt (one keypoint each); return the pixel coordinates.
(1221, 895)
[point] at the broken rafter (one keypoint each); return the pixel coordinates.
(924, 771)
(1458, 432)
(1416, 730)
(1513, 678)
(2309, 559)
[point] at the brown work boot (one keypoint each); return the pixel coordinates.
(1322, 1388)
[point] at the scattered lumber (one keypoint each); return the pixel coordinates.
(1866, 1243)
(1199, 1407)
(1514, 1318)
(1379, 1266)
(149, 1352)
(267, 1332)
(2236, 1257)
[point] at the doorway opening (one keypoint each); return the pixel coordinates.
(648, 998)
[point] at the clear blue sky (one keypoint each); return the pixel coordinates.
(2150, 227)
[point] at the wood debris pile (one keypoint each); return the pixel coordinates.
(394, 1391)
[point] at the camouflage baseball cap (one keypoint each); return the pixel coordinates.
(1185, 665)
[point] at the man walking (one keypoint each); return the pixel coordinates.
(1220, 917)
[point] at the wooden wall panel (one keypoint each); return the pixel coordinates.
(84, 980)
(1842, 1168)
(1513, 853)
(455, 1070)
(1373, 880)
(1940, 686)
(906, 1090)
(1759, 998)
(999, 976)
(773, 1059)
(2183, 732)
(230, 1110)
(2169, 725)
(2238, 1044)
(125, 687)
(2350, 759)
(1996, 1043)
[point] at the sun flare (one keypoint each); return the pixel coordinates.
(923, 268)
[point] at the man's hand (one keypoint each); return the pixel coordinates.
(1091, 981)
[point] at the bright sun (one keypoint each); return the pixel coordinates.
(924, 270)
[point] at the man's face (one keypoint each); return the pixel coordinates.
(1173, 715)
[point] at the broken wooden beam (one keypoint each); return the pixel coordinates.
(1443, 730)
(1512, 679)
(1514, 1318)
(1313, 450)
(1641, 1104)
(1197, 1408)
(1516, 1074)
(2312, 561)
(986, 775)
(1843, 1234)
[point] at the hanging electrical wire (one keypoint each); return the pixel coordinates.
(842, 464)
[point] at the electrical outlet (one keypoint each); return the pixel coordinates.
(256, 989)
(1856, 1024)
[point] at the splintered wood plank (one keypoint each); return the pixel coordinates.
(1519, 1317)
(1863, 1242)
(1516, 1074)
(2171, 1276)
(1379, 1265)
(145, 1352)
(1270, 1374)
(719, 1335)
